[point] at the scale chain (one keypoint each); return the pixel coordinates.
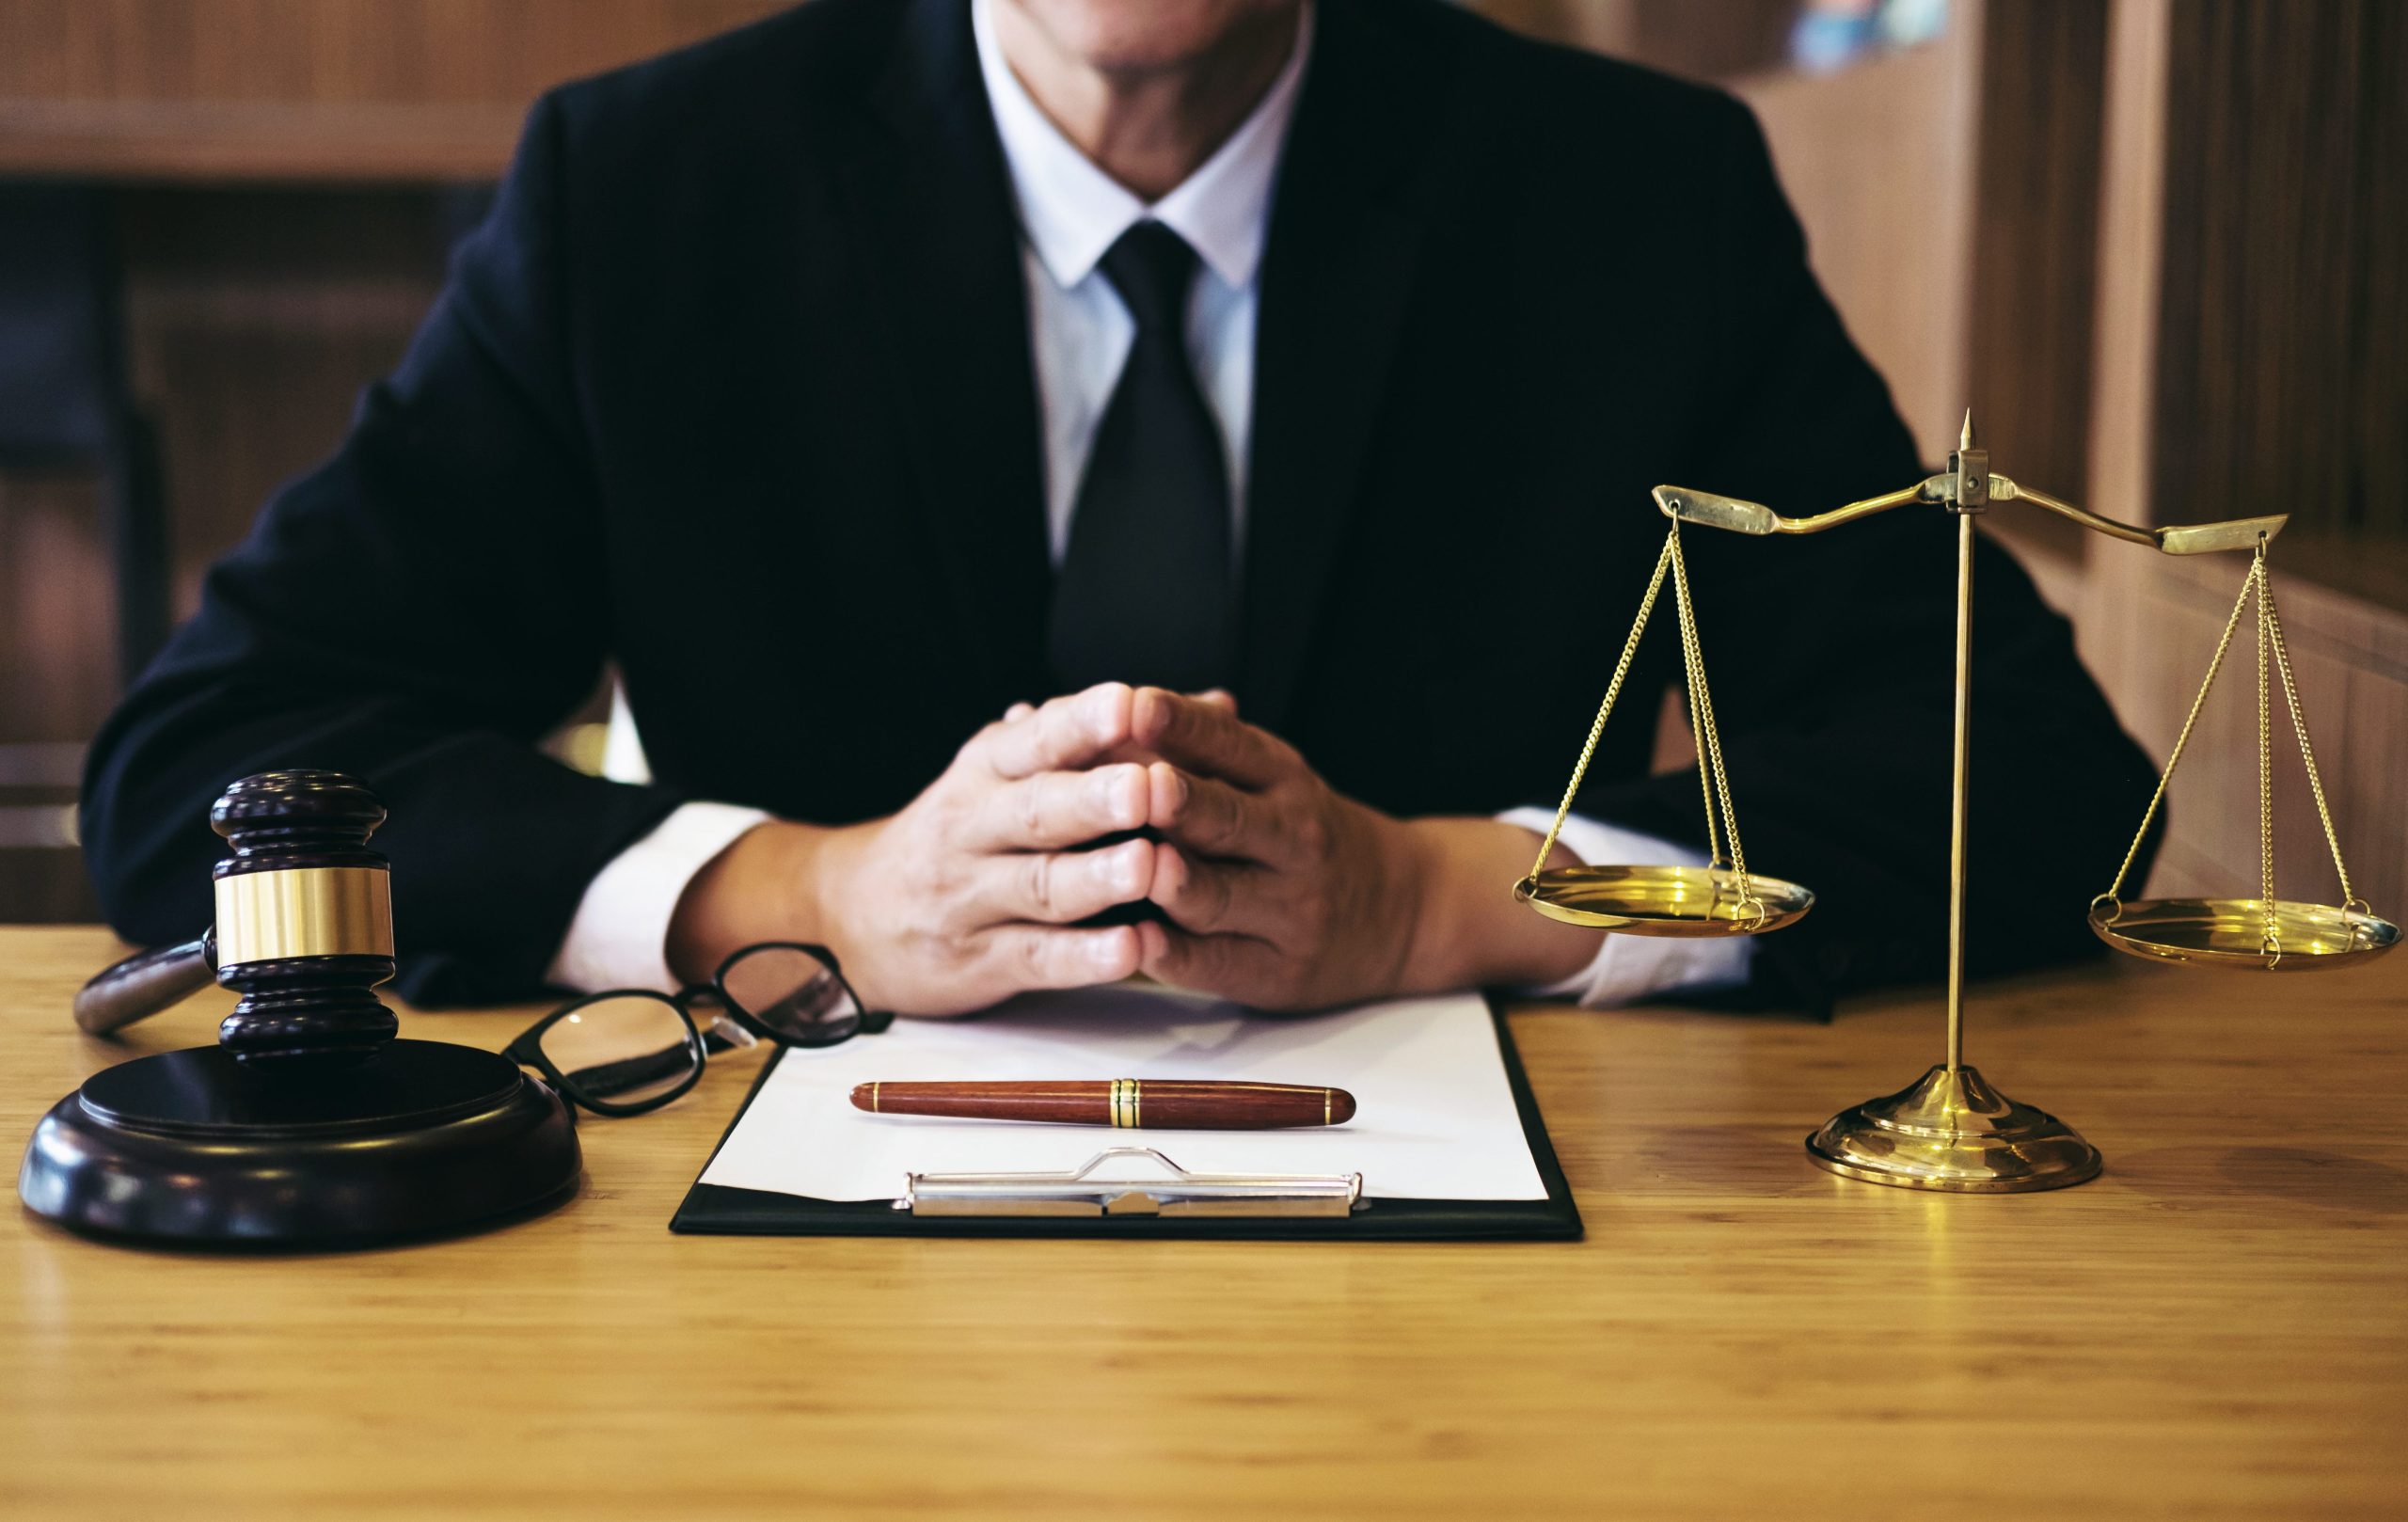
(1693, 680)
(1712, 779)
(2271, 942)
(2299, 727)
(2216, 664)
(1613, 690)
(2273, 656)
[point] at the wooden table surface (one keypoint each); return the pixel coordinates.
(2217, 1327)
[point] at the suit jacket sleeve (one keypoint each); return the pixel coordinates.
(417, 612)
(1831, 657)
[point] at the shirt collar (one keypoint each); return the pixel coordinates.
(1073, 213)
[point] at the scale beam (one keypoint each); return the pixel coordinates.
(2179, 539)
(1738, 515)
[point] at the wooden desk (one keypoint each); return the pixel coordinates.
(2215, 1328)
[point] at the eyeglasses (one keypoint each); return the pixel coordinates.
(631, 1050)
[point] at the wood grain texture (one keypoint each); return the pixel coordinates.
(2214, 1329)
(57, 676)
(2035, 250)
(2283, 381)
(317, 91)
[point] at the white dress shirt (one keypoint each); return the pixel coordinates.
(1070, 214)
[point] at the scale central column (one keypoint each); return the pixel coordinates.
(1956, 792)
(1950, 1129)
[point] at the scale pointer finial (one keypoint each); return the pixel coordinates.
(1965, 434)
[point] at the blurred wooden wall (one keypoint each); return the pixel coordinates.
(2283, 349)
(334, 91)
(285, 178)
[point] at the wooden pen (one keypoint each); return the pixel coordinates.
(1174, 1104)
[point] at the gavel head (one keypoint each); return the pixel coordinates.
(304, 920)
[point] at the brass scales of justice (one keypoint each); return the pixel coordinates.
(1950, 1129)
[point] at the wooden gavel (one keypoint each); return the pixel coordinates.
(309, 1122)
(304, 928)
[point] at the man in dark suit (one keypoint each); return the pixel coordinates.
(885, 388)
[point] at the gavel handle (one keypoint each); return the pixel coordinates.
(144, 984)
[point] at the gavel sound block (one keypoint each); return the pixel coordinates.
(308, 1125)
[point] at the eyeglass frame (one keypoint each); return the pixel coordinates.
(527, 1047)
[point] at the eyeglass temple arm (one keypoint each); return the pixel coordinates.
(605, 1079)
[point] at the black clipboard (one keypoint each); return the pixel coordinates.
(711, 1209)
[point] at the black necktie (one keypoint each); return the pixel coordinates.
(1144, 592)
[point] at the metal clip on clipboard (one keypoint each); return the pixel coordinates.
(1095, 1189)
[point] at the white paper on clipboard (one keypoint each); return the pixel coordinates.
(1435, 1116)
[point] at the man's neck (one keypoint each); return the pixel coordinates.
(1147, 129)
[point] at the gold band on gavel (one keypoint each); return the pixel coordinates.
(1124, 1103)
(304, 911)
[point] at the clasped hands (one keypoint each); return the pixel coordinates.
(1275, 889)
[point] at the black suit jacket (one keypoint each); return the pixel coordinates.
(734, 389)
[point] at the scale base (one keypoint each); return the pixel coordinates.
(192, 1148)
(1952, 1131)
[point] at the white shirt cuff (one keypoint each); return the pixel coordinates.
(620, 936)
(1630, 967)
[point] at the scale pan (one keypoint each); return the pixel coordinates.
(1663, 900)
(2230, 932)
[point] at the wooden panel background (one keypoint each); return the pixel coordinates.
(256, 317)
(2200, 400)
(2283, 380)
(2282, 385)
(280, 238)
(2032, 290)
(57, 677)
(333, 90)
(1730, 39)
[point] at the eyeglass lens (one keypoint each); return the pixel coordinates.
(793, 994)
(626, 1049)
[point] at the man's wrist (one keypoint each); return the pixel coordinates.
(762, 887)
(619, 935)
(1470, 931)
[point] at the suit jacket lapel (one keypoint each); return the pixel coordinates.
(935, 203)
(1346, 222)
